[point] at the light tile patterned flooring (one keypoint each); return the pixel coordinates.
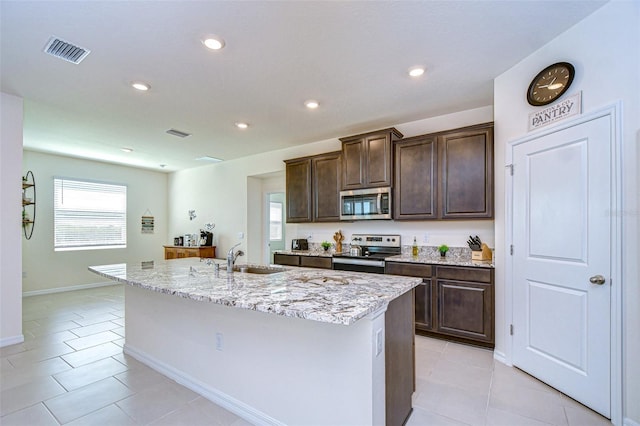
(71, 370)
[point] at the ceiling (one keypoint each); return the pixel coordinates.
(351, 56)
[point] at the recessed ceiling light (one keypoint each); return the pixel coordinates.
(311, 104)
(163, 166)
(416, 71)
(138, 85)
(127, 149)
(242, 125)
(213, 42)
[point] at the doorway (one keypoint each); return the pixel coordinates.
(565, 265)
(275, 222)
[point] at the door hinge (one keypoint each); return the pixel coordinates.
(510, 167)
(511, 329)
(511, 249)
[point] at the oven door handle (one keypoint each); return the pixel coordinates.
(363, 262)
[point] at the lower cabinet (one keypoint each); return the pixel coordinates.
(323, 262)
(455, 302)
(179, 252)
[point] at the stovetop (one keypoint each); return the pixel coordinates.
(374, 246)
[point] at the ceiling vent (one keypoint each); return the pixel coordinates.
(65, 50)
(178, 133)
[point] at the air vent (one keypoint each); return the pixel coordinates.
(178, 133)
(65, 50)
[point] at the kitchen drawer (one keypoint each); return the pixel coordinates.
(315, 262)
(465, 274)
(286, 259)
(408, 269)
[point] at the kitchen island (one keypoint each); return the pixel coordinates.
(298, 346)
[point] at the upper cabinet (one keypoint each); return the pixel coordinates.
(313, 188)
(326, 170)
(466, 173)
(416, 178)
(298, 192)
(367, 159)
(447, 175)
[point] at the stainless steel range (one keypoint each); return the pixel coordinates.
(373, 249)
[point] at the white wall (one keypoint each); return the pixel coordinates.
(604, 48)
(10, 219)
(229, 194)
(47, 269)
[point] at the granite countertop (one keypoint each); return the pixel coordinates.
(311, 252)
(338, 297)
(439, 260)
(457, 257)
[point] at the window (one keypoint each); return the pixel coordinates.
(89, 215)
(275, 221)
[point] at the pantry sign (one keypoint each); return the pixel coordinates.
(554, 113)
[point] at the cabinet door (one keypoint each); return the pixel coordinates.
(327, 181)
(415, 191)
(378, 160)
(286, 259)
(465, 309)
(170, 253)
(466, 173)
(353, 166)
(323, 262)
(298, 192)
(425, 302)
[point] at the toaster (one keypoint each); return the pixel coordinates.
(299, 244)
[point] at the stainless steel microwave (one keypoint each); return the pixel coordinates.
(362, 204)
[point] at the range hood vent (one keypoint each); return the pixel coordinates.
(178, 133)
(65, 50)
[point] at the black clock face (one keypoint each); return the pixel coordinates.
(550, 83)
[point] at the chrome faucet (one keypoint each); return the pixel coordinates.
(231, 257)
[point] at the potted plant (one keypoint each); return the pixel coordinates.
(443, 249)
(325, 245)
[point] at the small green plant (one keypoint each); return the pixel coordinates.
(443, 249)
(325, 245)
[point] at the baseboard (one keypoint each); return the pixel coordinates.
(70, 288)
(628, 422)
(237, 407)
(500, 357)
(13, 340)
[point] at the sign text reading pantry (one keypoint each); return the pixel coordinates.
(567, 108)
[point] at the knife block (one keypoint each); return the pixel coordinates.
(484, 254)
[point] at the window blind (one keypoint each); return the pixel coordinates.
(89, 215)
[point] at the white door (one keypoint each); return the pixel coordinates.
(562, 246)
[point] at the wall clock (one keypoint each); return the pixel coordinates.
(550, 83)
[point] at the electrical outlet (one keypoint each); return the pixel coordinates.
(219, 342)
(379, 341)
(240, 235)
(425, 238)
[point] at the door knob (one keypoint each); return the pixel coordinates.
(597, 279)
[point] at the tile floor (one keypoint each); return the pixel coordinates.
(71, 370)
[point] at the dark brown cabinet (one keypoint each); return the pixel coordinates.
(326, 170)
(298, 190)
(323, 262)
(367, 159)
(465, 303)
(448, 175)
(416, 178)
(466, 173)
(452, 301)
(313, 188)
